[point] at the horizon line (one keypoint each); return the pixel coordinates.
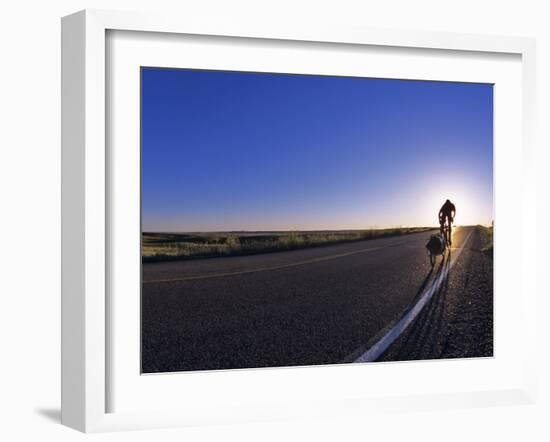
(306, 230)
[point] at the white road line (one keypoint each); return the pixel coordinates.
(373, 353)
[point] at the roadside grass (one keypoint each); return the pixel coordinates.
(181, 246)
(487, 240)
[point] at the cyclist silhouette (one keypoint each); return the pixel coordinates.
(446, 213)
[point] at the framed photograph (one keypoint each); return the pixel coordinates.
(263, 222)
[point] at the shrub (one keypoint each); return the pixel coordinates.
(233, 243)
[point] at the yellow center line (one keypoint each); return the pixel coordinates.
(263, 269)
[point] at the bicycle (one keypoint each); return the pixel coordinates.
(447, 234)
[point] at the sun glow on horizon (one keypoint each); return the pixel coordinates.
(399, 210)
(471, 208)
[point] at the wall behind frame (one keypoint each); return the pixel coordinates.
(30, 169)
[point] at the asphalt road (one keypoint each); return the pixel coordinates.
(323, 305)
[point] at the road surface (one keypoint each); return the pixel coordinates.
(375, 300)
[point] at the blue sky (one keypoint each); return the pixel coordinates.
(253, 151)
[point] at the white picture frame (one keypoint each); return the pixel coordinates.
(85, 205)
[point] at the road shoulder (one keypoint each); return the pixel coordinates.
(458, 320)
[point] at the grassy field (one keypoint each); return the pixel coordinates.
(178, 246)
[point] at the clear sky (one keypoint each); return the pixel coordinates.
(251, 151)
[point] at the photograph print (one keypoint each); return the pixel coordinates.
(304, 220)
